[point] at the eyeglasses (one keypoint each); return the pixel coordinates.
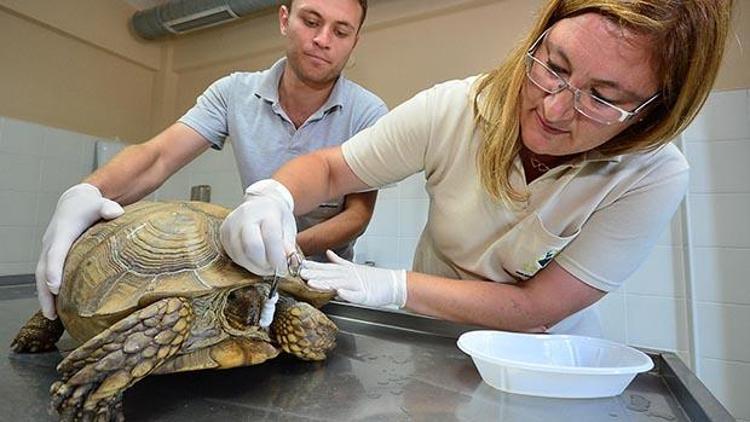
(585, 103)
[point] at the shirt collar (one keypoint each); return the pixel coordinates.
(268, 89)
(594, 156)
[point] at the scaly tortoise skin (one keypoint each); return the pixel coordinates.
(153, 292)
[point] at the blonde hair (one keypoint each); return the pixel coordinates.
(687, 39)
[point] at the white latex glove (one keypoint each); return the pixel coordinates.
(77, 209)
(356, 283)
(260, 233)
(269, 308)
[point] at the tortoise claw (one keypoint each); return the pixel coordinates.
(38, 335)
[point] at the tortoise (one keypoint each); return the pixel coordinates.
(153, 292)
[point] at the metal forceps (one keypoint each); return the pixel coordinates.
(293, 263)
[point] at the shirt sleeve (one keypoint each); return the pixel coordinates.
(393, 147)
(208, 116)
(618, 237)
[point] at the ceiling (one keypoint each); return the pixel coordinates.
(144, 4)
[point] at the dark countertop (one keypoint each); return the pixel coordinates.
(377, 372)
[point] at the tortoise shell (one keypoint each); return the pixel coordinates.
(154, 250)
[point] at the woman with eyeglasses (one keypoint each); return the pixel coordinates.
(550, 178)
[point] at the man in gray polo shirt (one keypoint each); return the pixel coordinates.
(246, 106)
(298, 105)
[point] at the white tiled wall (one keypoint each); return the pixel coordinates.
(717, 145)
(217, 169)
(37, 163)
(400, 215)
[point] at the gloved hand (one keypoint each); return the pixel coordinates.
(269, 308)
(77, 209)
(356, 283)
(260, 233)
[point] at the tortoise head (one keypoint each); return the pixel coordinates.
(244, 305)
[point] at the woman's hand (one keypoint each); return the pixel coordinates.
(356, 283)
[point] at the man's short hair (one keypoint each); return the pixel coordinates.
(362, 4)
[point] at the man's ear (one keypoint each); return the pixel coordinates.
(283, 19)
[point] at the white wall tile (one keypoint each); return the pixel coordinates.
(384, 220)
(720, 220)
(413, 187)
(389, 192)
(611, 311)
(720, 275)
(17, 208)
(63, 145)
(88, 153)
(16, 268)
(730, 383)
(412, 217)
(719, 166)
(660, 275)
(21, 137)
(57, 175)
(656, 322)
(16, 244)
(724, 116)
(176, 187)
(19, 172)
(213, 160)
(226, 188)
(46, 203)
(406, 248)
(361, 252)
(723, 331)
(672, 234)
(105, 150)
(36, 244)
(383, 251)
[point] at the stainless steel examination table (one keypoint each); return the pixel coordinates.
(386, 367)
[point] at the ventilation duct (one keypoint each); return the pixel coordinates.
(181, 16)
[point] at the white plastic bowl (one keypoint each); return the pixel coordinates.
(551, 365)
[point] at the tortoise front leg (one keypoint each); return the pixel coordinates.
(303, 330)
(95, 375)
(38, 335)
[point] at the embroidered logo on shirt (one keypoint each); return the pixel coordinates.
(547, 258)
(532, 267)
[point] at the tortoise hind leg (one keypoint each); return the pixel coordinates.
(38, 335)
(303, 330)
(95, 375)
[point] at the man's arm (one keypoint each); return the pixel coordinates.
(139, 169)
(341, 228)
